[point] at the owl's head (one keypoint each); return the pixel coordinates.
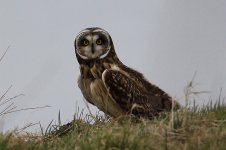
(93, 43)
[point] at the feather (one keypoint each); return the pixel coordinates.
(134, 96)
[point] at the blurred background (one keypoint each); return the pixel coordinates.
(168, 41)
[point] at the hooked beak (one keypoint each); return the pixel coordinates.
(92, 48)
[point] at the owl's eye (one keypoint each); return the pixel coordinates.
(99, 42)
(85, 42)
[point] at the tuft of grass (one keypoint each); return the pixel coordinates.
(7, 105)
(203, 128)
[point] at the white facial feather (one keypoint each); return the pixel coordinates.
(86, 52)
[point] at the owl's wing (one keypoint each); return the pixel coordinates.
(133, 97)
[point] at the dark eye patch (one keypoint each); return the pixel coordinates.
(103, 38)
(81, 42)
(82, 38)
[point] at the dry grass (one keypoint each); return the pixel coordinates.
(203, 128)
(7, 104)
(188, 128)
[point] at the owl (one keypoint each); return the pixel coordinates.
(112, 86)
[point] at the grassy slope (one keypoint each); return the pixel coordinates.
(196, 129)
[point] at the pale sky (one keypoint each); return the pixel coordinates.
(168, 41)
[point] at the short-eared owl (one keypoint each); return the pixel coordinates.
(110, 85)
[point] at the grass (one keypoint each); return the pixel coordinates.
(199, 128)
(195, 128)
(7, 105)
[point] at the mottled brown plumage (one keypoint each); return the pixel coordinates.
(110, 85)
